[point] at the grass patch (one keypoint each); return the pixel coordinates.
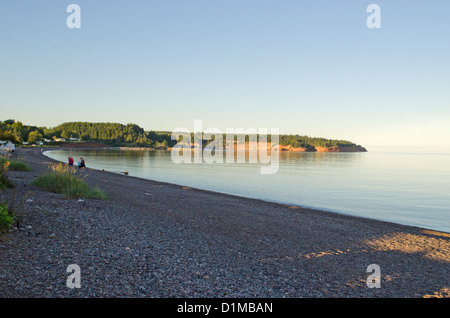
(4, 181)
(63, 180)
(14, 165)
(12, 213)
(9, 164)
(6, 217)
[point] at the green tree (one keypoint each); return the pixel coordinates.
(34, 136)
(65, 135)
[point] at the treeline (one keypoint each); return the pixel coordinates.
(297, 141)
(115, 135)
(110, 133)
(18, 133)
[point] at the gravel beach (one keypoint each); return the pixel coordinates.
(152, 239)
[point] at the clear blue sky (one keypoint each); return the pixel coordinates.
(307, 67)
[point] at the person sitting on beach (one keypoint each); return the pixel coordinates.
(70, 161)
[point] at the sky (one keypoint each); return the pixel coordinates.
(306, 67)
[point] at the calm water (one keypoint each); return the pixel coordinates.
(401, 187)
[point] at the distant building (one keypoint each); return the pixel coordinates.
(59, 139)
(74, 139)
(7, 146)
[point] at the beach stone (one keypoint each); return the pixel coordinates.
(180, 243)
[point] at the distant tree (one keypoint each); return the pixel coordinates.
(9, 121)
(65, 135)
(34, 136)
(8, 136)
(17, 125)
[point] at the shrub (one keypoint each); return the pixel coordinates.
(63, 180)
(19, 166)
(15, 165)
(4, 182)
(6, 217)
(16, 211)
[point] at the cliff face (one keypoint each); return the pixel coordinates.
(255, 146)
(322, 149)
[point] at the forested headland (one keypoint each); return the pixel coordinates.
(132, 135)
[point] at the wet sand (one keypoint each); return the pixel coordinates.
(153, 239)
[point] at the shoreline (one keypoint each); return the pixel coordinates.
(236, 147)
(292, 206)
(156, 239)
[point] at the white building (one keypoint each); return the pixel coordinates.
(7, 145)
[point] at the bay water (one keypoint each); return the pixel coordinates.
(406, 187)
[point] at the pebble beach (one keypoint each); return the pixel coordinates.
(157, 240)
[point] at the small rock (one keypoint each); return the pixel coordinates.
(53, 235)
